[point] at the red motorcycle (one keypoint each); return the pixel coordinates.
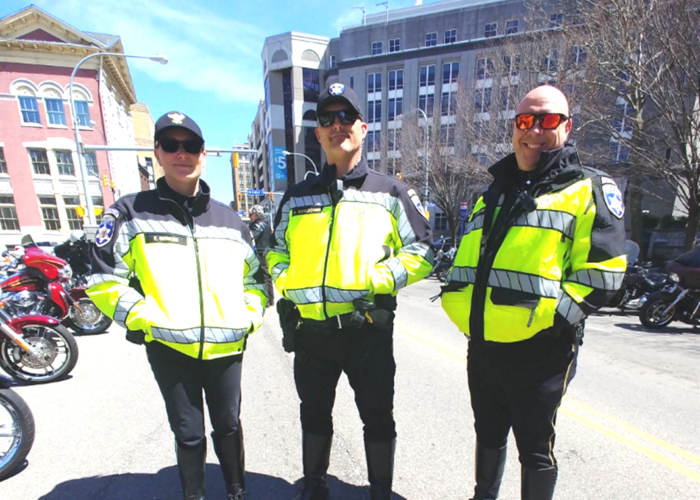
(16, 430)
(44, 284)
(33, 345)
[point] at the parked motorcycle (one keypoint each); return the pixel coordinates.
(637, 282)
(16, 430)
(678, 301)
(443, 263)
(44, 284)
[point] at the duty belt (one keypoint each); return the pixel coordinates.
(365, 311)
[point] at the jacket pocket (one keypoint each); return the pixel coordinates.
(516, 298)
(457, 305)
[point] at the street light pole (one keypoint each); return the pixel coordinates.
(78, 140)
(287, 153)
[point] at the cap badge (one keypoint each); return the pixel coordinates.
(176, 118)
(336, 89)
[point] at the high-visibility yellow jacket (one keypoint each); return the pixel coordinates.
(540, 252)
(363, 236)
(199, 289)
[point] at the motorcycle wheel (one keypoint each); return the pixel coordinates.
(55, 356)
(442, 274)
(651, 314)
(89, 320)
(16, 431)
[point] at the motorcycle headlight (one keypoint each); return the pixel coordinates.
(65, 273)
(673, 277)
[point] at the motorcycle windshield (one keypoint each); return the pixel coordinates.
(632, 251)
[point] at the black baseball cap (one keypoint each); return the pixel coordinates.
(176, 119)
(338, 92)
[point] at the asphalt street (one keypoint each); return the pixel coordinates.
(629, 427)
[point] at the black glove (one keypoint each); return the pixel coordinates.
(137, 337)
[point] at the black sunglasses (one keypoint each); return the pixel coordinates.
(548, 121)
(191, 146)
(346, 116)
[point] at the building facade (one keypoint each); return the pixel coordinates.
(41, 183)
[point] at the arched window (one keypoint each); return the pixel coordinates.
(26, 93)
(279, 56)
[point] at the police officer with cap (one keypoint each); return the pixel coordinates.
(163, 263)
(346, 242)
(262, 234)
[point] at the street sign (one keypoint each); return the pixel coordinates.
(255, 192)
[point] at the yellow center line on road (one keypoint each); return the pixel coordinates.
(459, 354)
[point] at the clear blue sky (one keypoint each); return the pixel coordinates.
(215, 71)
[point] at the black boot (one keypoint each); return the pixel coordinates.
(490, 463)
(380, 468)
(538, 484)
(231, 455)
(190, 464)
(316, 457)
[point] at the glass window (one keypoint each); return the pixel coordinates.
(508, 97)
(352, 82)
(450, 36)
(82, 113)
(549, 62)
(267, 94)
(40, 161)
(430, 39)
(64, 162)
(333, 62)
(54, 108)
(484, 69)
(30, 109)
(310, 77)
(376, 48)
(8, 213)
(91, 163)
(374, 111)
(448, 104)
(374, 141)
(396, 79)
(511, 65)
(440, 222)
(490, 29)
(395, 108)
(427, 104)
(512, 27)
(3, 163)
(482, 100)
(394, 45)
(49, 212)
(374, 82)
(556, 20)
(74, 221)
(578, 56)
(619, 151)
(450, 72)
(427, 75)
(622, 122)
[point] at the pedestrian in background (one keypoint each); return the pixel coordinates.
(543, 249)
(346, 242)
(262, 233)
(178, 271)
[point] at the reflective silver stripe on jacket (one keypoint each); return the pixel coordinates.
(398, 271)
(462, 274)
(524, 282)
(477, 222)
(192, 335)
(314, 295)
(101, 278)
(595, 278)
(568, 308)
(134, 227)
(549, 219)
(392, 204)
(124, 305)
(278, 269)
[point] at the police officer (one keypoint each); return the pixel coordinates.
(178, 270)
(260, 228)
(346, 241)
(543, 248)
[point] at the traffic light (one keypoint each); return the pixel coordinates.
(235, 160)
(272, 196)
(239, 195)
(113, 184)
(399, 176)
(80, 211)
(105, 180)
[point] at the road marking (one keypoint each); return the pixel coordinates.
(459, 354)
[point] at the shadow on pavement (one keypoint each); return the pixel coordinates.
(661, 331)
(165, 485)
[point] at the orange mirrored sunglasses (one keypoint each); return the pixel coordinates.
(548, 121)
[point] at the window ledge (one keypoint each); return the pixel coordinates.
(51, 125)
(31, 124)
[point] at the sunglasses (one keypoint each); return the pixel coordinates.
(347, 117)
(191, 146)
(548, 121)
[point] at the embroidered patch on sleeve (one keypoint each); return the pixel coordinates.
(613, 197)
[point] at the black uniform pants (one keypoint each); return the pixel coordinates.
(366, 356)
(182, 379)
(520, 386)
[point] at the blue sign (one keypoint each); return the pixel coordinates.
(255, 192)
(280, 164)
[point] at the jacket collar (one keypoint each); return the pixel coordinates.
(196, 205)
(327, 175)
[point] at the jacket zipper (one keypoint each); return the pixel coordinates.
(325, 263)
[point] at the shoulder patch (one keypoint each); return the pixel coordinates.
(105, 231)
(613, 197)
(416, 201)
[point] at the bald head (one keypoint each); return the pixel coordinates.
(529, 144)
